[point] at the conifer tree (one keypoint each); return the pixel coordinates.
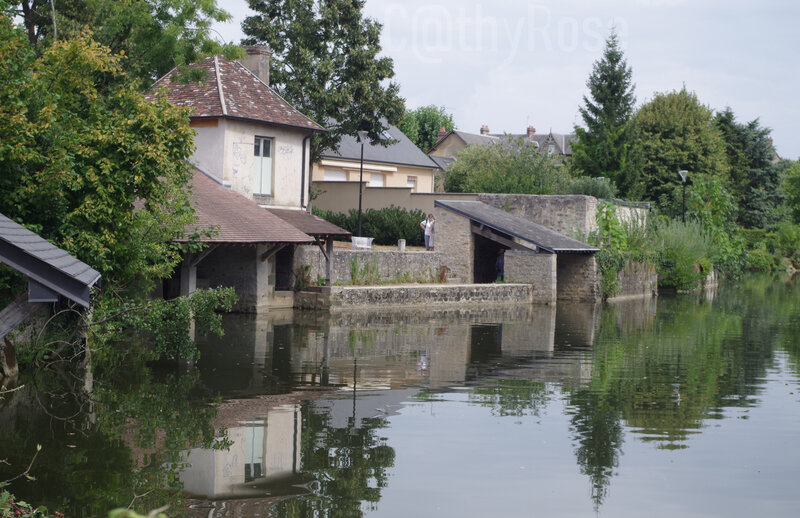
(602, 146)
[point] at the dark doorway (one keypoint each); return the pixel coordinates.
(284, 277)
(485, 259)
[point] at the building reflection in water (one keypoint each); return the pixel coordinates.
(367, 364)
(264, 454)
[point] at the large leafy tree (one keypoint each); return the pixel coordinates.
(675, 132)
(422, 125)
(153, 35)
(507, 166)
(325, 62)
(87, 161)
(754, 174)
(602, 147)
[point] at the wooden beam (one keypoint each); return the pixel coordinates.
(194, 259)
(272, 251)
(490, 235)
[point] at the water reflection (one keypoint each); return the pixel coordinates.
(347, 414)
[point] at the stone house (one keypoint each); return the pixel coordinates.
(252, 157)
(400, 164)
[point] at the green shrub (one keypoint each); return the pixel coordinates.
(761, 260)
(598, 187)
(683, 256)
(386, 225)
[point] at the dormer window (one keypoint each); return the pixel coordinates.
(262, 166)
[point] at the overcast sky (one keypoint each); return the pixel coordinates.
(514, 63)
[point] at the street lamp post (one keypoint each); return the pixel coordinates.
(362, 136)
(683, 173)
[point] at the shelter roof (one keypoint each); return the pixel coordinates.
(45, 263)
(515, 226)
(231, 90)
(236, 218)
(309, 223)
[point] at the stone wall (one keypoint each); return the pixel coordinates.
(571, 215)
(241, 268)
(382, 265)
(637, 279)
(455, 242)
(366, 297)
(538, 270)
(578, 278)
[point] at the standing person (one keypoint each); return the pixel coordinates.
(500, 265)
(427, 226)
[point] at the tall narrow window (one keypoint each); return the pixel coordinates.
(262, 166)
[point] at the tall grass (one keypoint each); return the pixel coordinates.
(683, 251)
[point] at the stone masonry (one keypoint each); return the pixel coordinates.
(538, 270)
(455, 242)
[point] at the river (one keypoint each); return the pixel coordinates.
(685, 405)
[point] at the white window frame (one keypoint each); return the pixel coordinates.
(263, 177)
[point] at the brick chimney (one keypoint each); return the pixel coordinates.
(484, 130)
(442, 134)
(531, 131)
(257, 61)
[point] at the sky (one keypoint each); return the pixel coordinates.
(510, 64)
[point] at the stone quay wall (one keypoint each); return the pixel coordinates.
(578, 278)
(636, 280)
(432, 296)
(378, 265)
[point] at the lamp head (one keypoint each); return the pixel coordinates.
(683, 173)
(362, 136)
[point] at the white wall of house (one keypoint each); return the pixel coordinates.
(375, 175)
(227, 152)
(209, 152)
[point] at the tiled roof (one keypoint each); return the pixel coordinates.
(44, 262)
(402, 152)
(521, 228)
(309, 223)
(236, 218)
(231, 90)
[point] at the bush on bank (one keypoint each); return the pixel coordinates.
(386, 225)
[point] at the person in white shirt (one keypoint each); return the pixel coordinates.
(427, 226)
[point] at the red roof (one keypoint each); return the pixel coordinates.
(236, 218)
(231, 90)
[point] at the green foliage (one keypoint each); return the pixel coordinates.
(89, 163)
(602, 147)
(786, 239)
(791, 186)
(610, 262)
(162, 325)
(326, 63)
(153, 35)
(423, 124)
(754, 178)
(509, 166)
(366, 275)
(683, 258)
(675, 132)
(386, 225)
(601, 188)
(610, 232)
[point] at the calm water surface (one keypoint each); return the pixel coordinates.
(676, 406)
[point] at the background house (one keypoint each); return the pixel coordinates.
(452, 142)
(400, 164)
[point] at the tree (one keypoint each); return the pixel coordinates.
(153, 35)
(675, 132)
(325, 62)
(754, 177)
(507, 166)
(88, 162)
(791, 186)
(602, 147)
(422, 125)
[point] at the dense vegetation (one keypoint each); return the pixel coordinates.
(385, 225)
